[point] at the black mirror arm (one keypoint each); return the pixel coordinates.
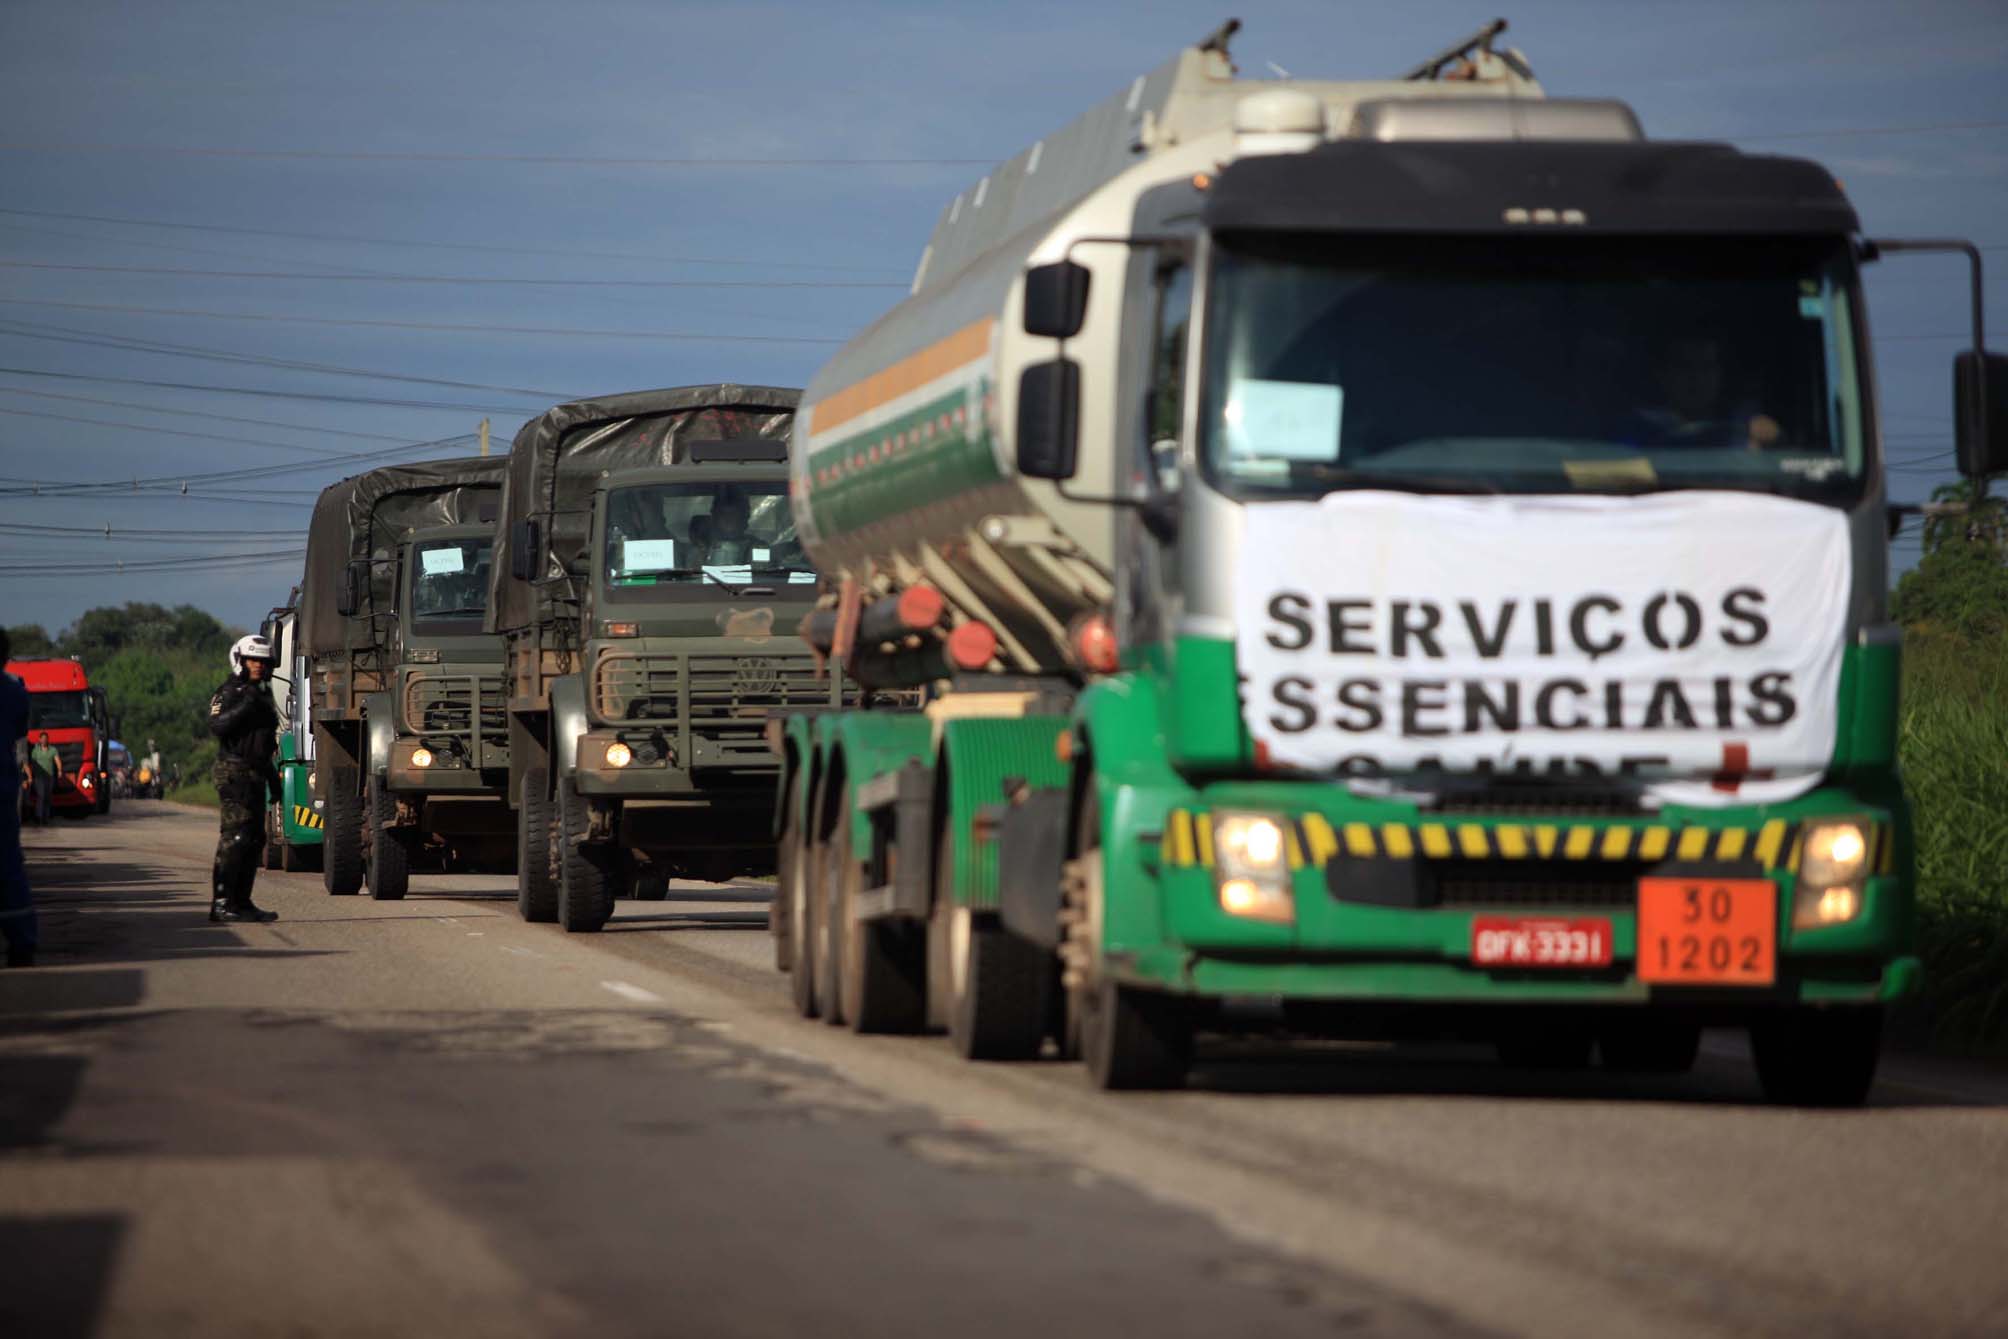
(1875, 247)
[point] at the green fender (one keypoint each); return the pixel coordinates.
(869, 744)
(1118, 723)
(979, 755)
(798, 753)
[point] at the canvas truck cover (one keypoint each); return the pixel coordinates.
(558, 457)
(369, 515)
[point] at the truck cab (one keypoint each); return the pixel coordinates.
(296, 822)
(76, 717)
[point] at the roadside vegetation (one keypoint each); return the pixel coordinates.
(158, 667)
(1954, 749)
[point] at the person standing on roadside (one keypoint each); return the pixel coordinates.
(245, 722)
(47, 765)
(17, 903)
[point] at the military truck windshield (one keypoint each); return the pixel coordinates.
(725, 535)
(1525, 365)
(58, 711)
(449, 581)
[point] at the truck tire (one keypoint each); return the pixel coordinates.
(1649, 1045)
(781, 913)
(1135, 1040)
(586, 879)
(883, 975)
(1818, 1058)
(342, 839)
(830, 928)
(275, 847)
(536, 890)
(293, 859)
(993, 989)
(389, 864)
(800, 890)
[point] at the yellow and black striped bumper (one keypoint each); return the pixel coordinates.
(1315, 840)
(304, 817)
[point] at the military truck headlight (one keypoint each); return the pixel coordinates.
(421, 757)
(1251, 867)
(424, 656)
(619, 754)
(1833, 862)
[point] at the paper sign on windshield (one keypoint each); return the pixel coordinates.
(648, 555)
(1691, 639)
(1284, 420)
(442, 562)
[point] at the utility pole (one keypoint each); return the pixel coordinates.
(484, 436)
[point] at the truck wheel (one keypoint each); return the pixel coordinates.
(1135, 1039)
(992, 993)
(273, 850)
(292, 858)
(884, 976)
(536, 891)
(586, 881)
(830, 925)
(799, 887)
(781, 912)
(342, 839)
(650, 886)
(389, 872)
(1650, 1045)
(1818, 1058)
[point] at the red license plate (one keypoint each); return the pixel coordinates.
(1540, 941)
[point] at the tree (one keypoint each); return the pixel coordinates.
(30, 639)
(1960, 586)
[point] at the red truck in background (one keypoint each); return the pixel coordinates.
(62, 702)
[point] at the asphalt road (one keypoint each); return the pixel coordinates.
(427, 1117)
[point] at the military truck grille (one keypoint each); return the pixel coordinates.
(444, 705)
(724, 691)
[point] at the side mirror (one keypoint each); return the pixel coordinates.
(524, 541)
(1056, 299)
(1982, 448)
(350, 599)
(1049, 419)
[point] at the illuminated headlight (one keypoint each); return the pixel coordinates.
(1251, 866)
(1833, 863)
(84, 781)
(421, 757)
(619, 754)
(424, 656)
(313, 780)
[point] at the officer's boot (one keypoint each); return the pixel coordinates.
(240, 869)
(219, 893)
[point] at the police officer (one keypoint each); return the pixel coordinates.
(246, 725)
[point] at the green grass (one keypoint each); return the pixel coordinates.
(1954, 748)
(201, 791)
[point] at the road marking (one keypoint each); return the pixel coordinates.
(520, 952)
(446, 920)
(635, 993)
(476, 934)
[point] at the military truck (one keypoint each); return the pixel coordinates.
(410, 745)
(1410, 558)
(649, 584)
(294, 823)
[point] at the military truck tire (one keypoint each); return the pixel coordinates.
(388, 866)
(1135, 1040)
(536, 891)
(1649, 1045)
(342, 839)
(649, 886)
(586, 877)
(884, 968)
(1818, 1058)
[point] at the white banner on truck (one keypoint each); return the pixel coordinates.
(1691, 639)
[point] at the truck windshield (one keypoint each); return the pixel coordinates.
(1524, 365)
(449, 579)
(718, 533)
(58, 711)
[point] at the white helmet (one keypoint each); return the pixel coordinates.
(252, 647)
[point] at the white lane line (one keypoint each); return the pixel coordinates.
(519, 952)
(635, 993)
(446, 920)
(476, 934)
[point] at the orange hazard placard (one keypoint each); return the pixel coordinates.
(1708, 932)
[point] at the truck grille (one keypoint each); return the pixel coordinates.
(1533, 801)
(724, 692)
(1611, 884)
(444, 704)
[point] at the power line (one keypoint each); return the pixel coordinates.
(197, 413)
(150, 431)
(452, 279)
(319, 397)
(68, 335)
(535, 159)
(253, 472)
(210, 560)
(544, 331)
(437, 245)
(1876, 130)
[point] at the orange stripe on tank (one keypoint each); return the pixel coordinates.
(909, 374)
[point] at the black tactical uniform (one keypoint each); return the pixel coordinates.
(246, 726)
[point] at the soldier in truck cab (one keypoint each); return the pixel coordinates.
(1693, 404)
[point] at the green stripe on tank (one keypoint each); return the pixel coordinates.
(921, 457)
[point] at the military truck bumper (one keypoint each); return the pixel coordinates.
(451, 770)
(1381, 902)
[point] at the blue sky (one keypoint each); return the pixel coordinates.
(380, 146)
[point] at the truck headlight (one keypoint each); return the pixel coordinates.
(619, 754)
(313, 780)
(1251, 867)
(1833, 863)
(421, 757)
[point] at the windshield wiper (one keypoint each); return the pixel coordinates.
(1408, 482)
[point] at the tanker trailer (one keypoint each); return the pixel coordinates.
(404, 689)
(648, 584)
(1396, 557)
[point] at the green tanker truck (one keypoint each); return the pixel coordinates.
(410, 748)
(294, 822)
(648, 584)
(1394, 558)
